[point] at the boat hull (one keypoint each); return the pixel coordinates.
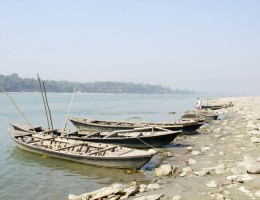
(130, 162)
(187, 128)
(157, 140)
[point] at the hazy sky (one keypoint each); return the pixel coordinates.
(211, 46)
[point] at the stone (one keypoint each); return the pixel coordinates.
(189, 149)
(150, 197)
(217, 130)
(253, 168)
(177, 197)
(255, 139)
(163, 170)
(195, 153)
(142, 188)
(257, 194)
(192, 161)
(202, 173)
(131, 190)
(212, 184)
(153, 186)
(238, 170)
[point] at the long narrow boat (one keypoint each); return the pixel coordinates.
(216, 107)
(98, 154)
(136, 138)
(203, 115)
(85, 124)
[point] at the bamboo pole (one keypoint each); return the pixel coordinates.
(23, 116)
(46, 114)
(47, 105)
(65, 125)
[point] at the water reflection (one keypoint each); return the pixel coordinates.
(68, 168)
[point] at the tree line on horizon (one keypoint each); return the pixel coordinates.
(14, 83)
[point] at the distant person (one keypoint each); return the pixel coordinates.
(199, 104)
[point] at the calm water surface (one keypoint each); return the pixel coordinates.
(28, 176)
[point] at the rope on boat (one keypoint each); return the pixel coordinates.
(151, 146)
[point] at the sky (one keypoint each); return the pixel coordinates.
(205, 46)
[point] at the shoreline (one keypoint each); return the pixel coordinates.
(216, 163)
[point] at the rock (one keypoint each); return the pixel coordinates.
(142, 188)
(243, 177)
(221, 153)
(202, 173)
(183, 173)
(130, 191)
(219, 196)
(187, 169)
(251, 164)
(238, 170)
(219, 169)
(246, 191)
(195, 153)
(153, 186)
(150, 197)
(192, 161)
(103, 192)
(189, 149)
(116, 197)
(255, 139)
(167, 154)
(253, 168)
(257, 194)
(212, 184)
(163, 170)
(217, 130)
(203, 149)
(74, 197)
(177, 197)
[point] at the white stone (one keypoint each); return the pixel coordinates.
(177, 197)
(150, 197)
(163, 170)
(238, 170)
(212, 184)
(153, 186)
(255, 139)
(195, 153)
(192, 161)
(257, 194)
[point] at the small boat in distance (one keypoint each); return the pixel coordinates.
(98, 154)
(134, 138)
(194, 115)
(85, 124)
(216, 107)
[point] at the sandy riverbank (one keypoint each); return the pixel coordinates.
(222, 161)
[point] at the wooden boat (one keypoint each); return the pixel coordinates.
(216, 107)
(85, 124)
(199, 115)
(98, 154)
(135, 138)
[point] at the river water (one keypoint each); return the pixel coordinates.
(29, 176)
